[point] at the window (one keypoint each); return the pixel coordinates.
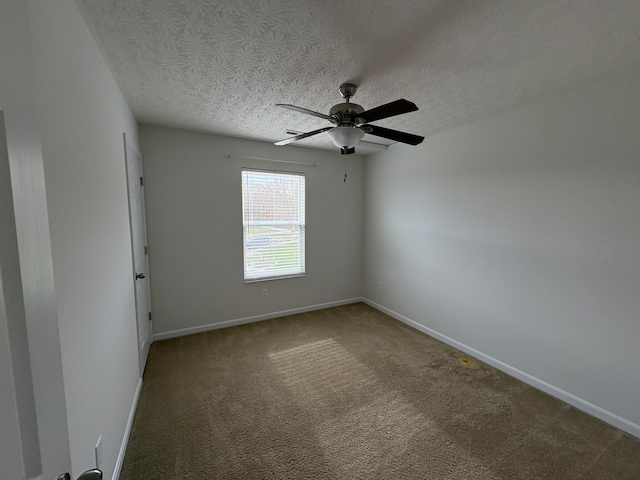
(273, 219)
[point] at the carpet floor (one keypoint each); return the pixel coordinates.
(350, 393)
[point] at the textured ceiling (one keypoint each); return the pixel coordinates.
(220, 65)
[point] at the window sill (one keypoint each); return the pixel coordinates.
(276, 277)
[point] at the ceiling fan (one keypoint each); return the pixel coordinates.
(351, 121)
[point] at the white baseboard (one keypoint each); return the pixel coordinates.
(255, 318)
(579, 403)
(127, 431)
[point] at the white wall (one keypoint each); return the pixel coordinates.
(519, 236)
(194, 221)
(33, 420)
(82, 117)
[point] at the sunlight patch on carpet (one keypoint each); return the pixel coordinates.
(322, 373)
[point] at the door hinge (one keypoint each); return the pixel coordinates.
(141, 181)
(149, 315)
(146, 250)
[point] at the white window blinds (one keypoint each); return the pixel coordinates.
(273, 217)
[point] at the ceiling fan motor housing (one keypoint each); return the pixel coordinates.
(345, 113)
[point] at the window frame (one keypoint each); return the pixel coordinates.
(300, 269)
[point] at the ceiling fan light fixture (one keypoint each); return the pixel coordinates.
(345, 137)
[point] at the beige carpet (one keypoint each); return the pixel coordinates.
(350, 393)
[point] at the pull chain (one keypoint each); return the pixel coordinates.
(345, 170)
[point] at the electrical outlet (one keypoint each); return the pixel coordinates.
(265, 293)
(98, 452)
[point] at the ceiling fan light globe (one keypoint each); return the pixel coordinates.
(345, 137)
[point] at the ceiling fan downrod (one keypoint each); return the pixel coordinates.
(345, 113)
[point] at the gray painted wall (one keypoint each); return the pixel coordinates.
(519, 236)
(194, 221)
(82, 117)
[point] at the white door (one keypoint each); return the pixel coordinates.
(140, 273)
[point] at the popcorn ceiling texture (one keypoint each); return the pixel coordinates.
(220, 65)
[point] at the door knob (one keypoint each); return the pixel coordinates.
(94, 474)
(139, 276)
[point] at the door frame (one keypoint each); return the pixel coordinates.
(33, 402)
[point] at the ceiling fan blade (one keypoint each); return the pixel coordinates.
(403, 137)
(307, 111)
(289, 140)
(388, 110)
